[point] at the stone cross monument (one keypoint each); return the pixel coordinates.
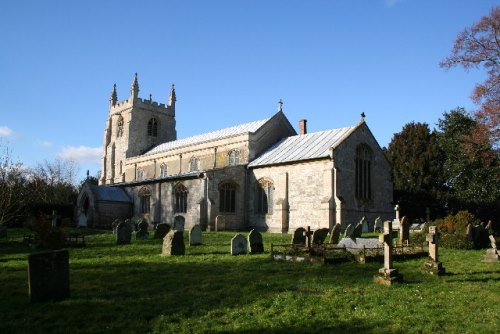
(388, 274)
(432, 265)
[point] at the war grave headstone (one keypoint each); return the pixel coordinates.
(195, 235)
(319, 236)
(387, 275)
(220, 223)
(238, 245)
(161, 231)
(179, 222)
(357, 232)
(379, 225)
(299, 237)
(349, 231)
(255, 242)
(492, 254)
(335, 234)
(432, 265)
(123, 233)
(173, 243)
(48, 276)
(404, 231)
(142, 233)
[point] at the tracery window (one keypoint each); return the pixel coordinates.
(265, 192)
(234, 158)
(145, 199)
(180, 198)
(194, 164)
(363, 172)
(227, 197)
(153, 127)
(163, 170)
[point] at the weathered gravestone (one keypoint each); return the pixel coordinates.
(123, 233)
(195, 235)
(115, 224)
(220, 223)
(319, 236)
(238, 245)
(173, 243)
(404, 231)
(388, 274)
(255, 242)
(142, 233)
(396, 221)
(432, 265)
(492, 253)
(364, 224)
(48, 276)
(161, 231)
(299, 237)
(379, 225)
(349, 231)
(358, 231)
(335, 234)
(179, 222)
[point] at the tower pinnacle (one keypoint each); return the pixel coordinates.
(172, 98)
(114, 97)
(134, 90)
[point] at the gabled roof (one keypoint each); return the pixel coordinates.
(106, 193)
(219, 134)
(310, 146)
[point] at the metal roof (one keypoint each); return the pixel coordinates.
(113, 194)
(302, 147)
(219, 134)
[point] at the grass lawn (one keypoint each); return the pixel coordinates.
(132, 289)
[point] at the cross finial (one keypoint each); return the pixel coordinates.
(363, 116)
(280, 105)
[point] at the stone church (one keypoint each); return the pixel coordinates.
(261, 174)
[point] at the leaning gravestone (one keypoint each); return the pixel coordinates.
(358, 230)
(319, 236)
(173, 244)
(238, 245)
(115, 224)
(255, 242)
(349, 231)
(195, 235)
(299, 237)
(142, 233)
(404, 231)
(48, 276)
(123, 233)
(492, 254)
(220, 223)
(379, 225)
(161, 231)
(335, 234)
(179, 223)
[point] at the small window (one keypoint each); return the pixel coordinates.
(194, 164)
(180, 199)
(234, 158)
(265, 192)
(145, 199)
(363, 179)
(153, 127)
(163, 170)
(141, 175)
(227, 198)
(121, 167)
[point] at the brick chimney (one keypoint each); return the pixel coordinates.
(303, 126)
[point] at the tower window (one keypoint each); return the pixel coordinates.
(153, 127)
(265, 192)
(180, 198)
(227, 198)
(234, 158)
(145, 199)
(363, 172)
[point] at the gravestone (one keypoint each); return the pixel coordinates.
(48, 276)
(432, 265)
(123, 233)
(179, 222)
(142, 233)
(492, 254)
(255, 242)
(238, 245)
(335, 234)
(299, 237)
(3, 231)
(349, 231)
(353, 245)
(173, 243)
(195, 235)
(396, 221)
(404, 231)
(364, 224)
(220, 223)
(358, 230)
(387, 275)
(115, 224)
(319, 236)
(309, 236)
(161, 231)
(379, 225)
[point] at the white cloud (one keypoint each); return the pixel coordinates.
(43, 143)
(6, 132)
(82, 154)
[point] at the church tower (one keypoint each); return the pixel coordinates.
(133, 127)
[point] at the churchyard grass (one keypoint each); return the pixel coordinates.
(132, 289)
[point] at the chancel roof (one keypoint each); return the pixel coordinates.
(219, 134)
(112, 194)
(303, 147)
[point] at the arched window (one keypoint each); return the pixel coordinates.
(145, 198)
(234, 158)
(265, 192)
(363, 172)
(163, 170)
(194, 164)
(141, 175)
(180, 198)
(119, 127)
(227, 197)
(153, 127)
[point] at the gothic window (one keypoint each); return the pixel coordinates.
(227, 198)
(144, 199)
(234, 158)
(194, 164)
(163, 170)
(153, 127)
(119, 127)
(140, 174)
(363, 172)
(180, 198)
(265, 192)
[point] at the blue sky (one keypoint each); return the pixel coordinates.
(230, 61)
